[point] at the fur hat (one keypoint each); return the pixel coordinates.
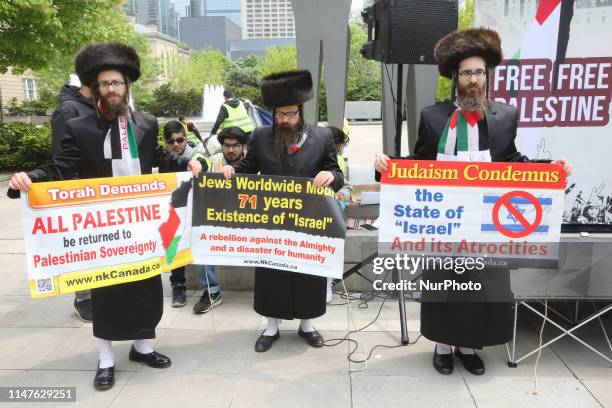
(94, 58)
(232, 132)
(459, 45)
(286, 88)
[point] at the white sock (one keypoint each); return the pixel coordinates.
(442, 348)
(464, 350)
(272, 328)
(307, 325)
(107, 357)
(142, 346)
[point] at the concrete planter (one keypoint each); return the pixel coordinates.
(363, 110)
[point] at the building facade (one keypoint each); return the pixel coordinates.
(159, 12)
(267, 19)
(164, 48)
(223, 8)
(209, 32)
(22, 87)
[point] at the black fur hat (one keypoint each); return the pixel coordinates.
(286, 88)
(459, 45)
(232, 132)
(94, 58)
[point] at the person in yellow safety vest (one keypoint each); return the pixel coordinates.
(191, 132)
(233, 141)
(345, 127)
(233, 112)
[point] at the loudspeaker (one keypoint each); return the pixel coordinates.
(406, 31)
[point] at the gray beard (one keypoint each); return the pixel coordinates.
(473, 103)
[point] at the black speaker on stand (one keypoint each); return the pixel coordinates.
(405, 32)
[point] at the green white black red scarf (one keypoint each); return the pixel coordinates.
(120, 147)
(461, 134)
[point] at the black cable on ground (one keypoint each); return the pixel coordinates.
(364, 299)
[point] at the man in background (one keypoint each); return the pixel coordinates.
(233, 112)
(74, 102)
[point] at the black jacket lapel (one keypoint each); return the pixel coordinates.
(491, 125)
(138, 124)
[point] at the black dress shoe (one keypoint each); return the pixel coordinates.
(443, 363)
(104, 379)
(471, 362)
(313, 338)
(152, 359)
(264, 343)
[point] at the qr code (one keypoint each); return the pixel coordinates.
(44, 286)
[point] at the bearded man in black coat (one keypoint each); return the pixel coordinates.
(290, 148)
(92, 147)
(461, 319)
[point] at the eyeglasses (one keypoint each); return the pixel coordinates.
(178, 140)
(232, 146)
(479, 73)
(115, 84)
(288, 115)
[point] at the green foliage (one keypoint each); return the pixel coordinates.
(250, 61)
(363, 75)
(203, 67)
(41, 33)
(170, 102)
(45, 35)
(27, 108)
(466, 15)
(466, 20)
(23, 145)
(53, 77)
(278, 59)
(363, 82)
(242, 79)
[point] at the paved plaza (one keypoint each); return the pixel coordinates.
(42, 343)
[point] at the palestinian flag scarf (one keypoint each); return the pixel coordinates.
(120, 147)
(461, 135)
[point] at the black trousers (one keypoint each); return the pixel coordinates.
(177, 276)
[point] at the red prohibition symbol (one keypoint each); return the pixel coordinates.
(528, 227)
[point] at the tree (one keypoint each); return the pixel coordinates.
(26, 107)
(204, 67)
(363, 75)
(251, 61)
(40, 33)
(169, 102)
(278, 59)
(466, 20)
(242, 79)
(88, 22)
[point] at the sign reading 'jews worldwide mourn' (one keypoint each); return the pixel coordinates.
(267, 221)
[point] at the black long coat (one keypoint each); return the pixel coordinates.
(132, 310)
(281, 294)
(465, 320)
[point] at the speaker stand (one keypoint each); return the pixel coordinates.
(398, 111)
(398, 153)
